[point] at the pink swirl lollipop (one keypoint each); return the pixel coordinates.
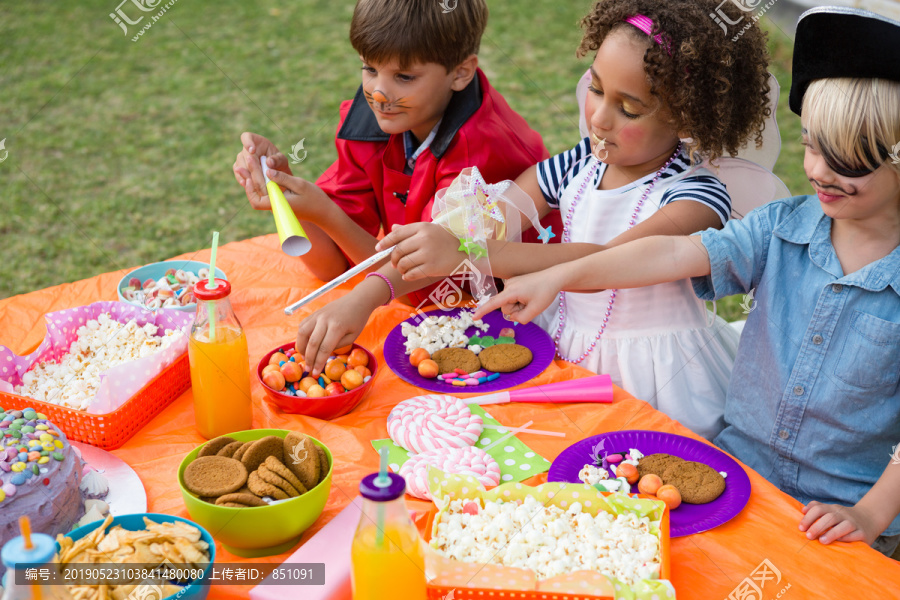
(433, 421)
(462, 461)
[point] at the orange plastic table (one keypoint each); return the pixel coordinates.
(713, 565)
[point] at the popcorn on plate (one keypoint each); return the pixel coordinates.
(435, 333)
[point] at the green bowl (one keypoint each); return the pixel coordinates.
(262, 530)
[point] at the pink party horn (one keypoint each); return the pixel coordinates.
(598, 388)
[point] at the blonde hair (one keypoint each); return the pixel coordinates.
(854, 123)
(418, 31)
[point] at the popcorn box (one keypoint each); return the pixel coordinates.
(130, 394)
(475, 580)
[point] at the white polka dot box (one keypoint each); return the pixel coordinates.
(479, 580)
(102, 372)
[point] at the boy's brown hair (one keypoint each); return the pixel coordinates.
(418, 31)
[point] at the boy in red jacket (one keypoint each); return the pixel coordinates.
(424, 112)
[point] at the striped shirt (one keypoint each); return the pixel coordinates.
(555, 173)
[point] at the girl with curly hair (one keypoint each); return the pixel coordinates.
(814, 400)
(667, 89)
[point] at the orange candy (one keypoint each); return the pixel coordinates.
(334, 369)
(428, 369)
(334, 388)
(270, 367)
(628, 471)
(342, 358)
(418, 355)
(649, 484)
(308, 382)
(670, 495)
(274, 379)
(343, 350)
(316, 391)
(364, 371)
(357, 358)
(276, 358)
(291, 371)
(351, 379)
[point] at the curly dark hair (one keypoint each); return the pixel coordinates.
(715, 83)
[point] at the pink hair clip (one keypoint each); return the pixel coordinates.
(645, 24)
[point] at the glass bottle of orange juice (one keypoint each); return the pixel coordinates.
(220, 363)
(388, 561)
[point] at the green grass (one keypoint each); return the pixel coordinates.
(120, 152)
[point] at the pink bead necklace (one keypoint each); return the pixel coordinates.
(566, 238)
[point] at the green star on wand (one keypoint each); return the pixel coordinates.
(470, 247)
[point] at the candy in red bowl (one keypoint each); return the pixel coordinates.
(338, 390)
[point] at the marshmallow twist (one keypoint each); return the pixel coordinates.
(433, 421)
(455, 461)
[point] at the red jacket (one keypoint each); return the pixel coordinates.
(478, 129)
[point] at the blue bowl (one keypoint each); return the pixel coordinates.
(157, 270)
(197, 589)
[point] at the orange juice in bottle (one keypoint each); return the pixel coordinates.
(220, 364)
(388, 560)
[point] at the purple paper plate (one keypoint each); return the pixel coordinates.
(530, 335)
(687, 519)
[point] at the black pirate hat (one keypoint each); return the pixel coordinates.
(834, 41)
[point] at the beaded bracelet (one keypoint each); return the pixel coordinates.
(387, 281)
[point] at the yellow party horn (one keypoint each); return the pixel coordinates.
(293, 239)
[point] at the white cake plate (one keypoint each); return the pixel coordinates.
(126, 492)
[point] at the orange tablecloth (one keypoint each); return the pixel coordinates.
(709, 565)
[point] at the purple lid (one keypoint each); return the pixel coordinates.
(371, 490)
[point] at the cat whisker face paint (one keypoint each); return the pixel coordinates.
(381, 102)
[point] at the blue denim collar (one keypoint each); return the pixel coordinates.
(807, 224)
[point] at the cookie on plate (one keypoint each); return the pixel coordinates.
(449, 359)
(656, 464)
(214, 476)
(505, 358)
(697, 482)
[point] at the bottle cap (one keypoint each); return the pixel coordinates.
(382, 491)
(14, 552)
(203, 292)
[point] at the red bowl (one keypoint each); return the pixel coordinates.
(327, 407)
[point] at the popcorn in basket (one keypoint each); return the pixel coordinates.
(562, 538)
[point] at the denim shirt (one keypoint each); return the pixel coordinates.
(813, 404)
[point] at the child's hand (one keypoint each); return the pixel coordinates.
(247, 170)
(334, 325)
(833, 522)
(428, 250)
(523, 298)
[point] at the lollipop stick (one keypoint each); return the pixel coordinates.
(509, 435)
